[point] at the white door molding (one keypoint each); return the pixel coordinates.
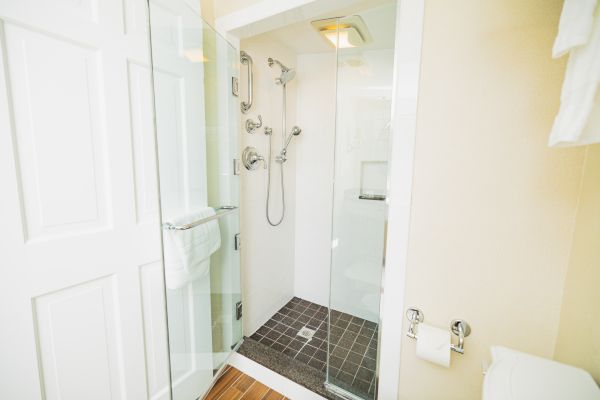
(409, 29)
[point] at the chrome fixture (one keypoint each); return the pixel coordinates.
(281, 158)
(287, 74)
(247, 60)
(235, 86)
(461, 329)
(458, 327)
(251, 126)
(223, 210)
(415, 316)
(378, 197)
(251, 158)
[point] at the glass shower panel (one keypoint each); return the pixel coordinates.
(197, 124)
(362, 143)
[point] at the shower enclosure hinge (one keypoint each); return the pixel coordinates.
(235, 86)
(238, 310)
(236, 166)
(237, 241)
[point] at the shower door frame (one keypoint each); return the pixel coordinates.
(407, 58)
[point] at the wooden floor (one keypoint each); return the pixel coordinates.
(235, 385)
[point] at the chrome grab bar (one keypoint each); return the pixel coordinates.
(220, 212)
(247, 60)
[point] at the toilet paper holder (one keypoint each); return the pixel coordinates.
(458, 327)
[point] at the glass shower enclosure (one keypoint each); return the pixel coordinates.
(196, 110)
(360, 208)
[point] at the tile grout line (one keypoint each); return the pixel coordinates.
(310, 316)
(364, 355)
(318, 348)
(349, 350)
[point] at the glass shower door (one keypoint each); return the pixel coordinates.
(362, 143)
(196, 124)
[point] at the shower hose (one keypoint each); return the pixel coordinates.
(281, 169)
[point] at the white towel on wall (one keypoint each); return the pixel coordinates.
(187, 253)
(578, 119)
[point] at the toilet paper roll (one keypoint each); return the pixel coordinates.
(433, 345)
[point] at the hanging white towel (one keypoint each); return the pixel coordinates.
(578, 120)
(187, 252)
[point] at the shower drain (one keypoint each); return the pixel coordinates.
(306, 333)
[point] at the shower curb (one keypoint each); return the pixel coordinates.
(302, 374)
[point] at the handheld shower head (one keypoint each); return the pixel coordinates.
(295, 132)
(287, 74)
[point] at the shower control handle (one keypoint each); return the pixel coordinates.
(251, 126)
(251, 158)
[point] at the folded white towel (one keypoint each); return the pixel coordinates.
(187, 253)
(578, 120)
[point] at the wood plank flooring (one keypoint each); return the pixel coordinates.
(235, 385)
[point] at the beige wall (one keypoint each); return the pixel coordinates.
(208, 11)
(493, 207)
(579, 335)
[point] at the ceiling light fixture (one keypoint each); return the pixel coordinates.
(345, 32)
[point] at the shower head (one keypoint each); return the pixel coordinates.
(287, 74)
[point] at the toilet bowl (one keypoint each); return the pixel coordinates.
(520, 376)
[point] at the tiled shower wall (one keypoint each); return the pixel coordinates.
(267, 252)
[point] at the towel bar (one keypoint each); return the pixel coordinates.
(221, 211)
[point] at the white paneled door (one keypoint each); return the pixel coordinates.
(82, 313)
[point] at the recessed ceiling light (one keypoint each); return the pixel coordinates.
(344, 32)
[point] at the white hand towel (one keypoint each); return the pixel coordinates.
(578, 120)
(575, 26)
(187, 253)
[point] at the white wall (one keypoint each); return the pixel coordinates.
(268, 252)
(314, 175)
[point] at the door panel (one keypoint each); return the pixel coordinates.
(81, 300)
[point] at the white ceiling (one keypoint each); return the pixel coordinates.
(379, 16)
